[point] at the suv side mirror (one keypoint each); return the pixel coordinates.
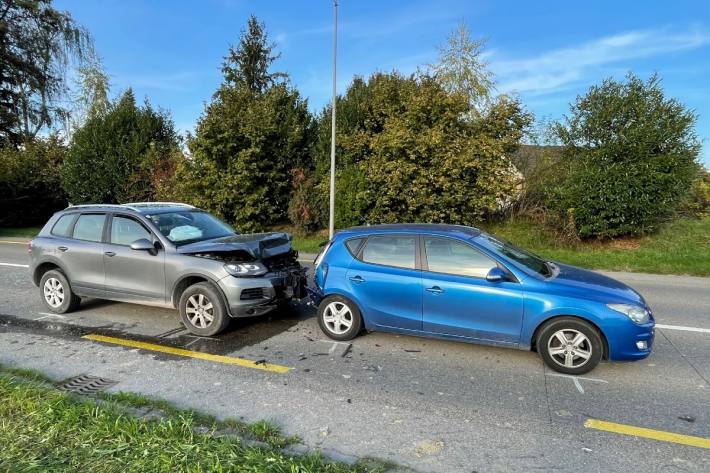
(496, 275)
(143, 245)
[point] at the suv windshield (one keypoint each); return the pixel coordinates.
(190, 226)
(519, 255)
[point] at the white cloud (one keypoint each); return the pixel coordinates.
(177, 81)
(560, 68)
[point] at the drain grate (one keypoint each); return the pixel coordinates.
(86, 384)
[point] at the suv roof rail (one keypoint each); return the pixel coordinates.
(110, 206)
(158, 204)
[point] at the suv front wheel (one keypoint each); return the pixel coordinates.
(202, 310)
(56, 292)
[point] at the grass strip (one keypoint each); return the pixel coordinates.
(44, 429)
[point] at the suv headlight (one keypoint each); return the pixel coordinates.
(634, 312)
(245, 269)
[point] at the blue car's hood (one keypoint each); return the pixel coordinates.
(595, 285)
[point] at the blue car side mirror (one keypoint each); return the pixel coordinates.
(496, 275)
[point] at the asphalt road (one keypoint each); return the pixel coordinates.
(427, 404)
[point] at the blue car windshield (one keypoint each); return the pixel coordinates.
(519, 255)
(190, 226)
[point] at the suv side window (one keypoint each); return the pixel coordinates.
(444, 255)
(398, 251)
(125, 231)
(62, 226)
(89, 227)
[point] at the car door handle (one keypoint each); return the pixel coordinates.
(110, 253)
(62, 248)
(435, 290)
(357, 279)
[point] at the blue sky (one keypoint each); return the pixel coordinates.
(548, 52)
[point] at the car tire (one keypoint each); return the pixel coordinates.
(202, 310)
(56, 292)
(570, 345)
(339, 318)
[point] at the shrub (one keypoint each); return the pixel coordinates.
(697, 204)
(305, 210)
(408, 150)
(30, 182)
(629, 158)
(113, 158)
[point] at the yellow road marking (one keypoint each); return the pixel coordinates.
(189, 353)
(8, 242)
(647, 433)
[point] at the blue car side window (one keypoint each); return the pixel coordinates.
(451, 257)
(398, 251)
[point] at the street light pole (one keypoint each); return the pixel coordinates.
(331, 225)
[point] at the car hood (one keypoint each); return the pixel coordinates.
(595, 285)
(255, 245)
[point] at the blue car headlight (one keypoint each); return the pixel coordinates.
(634, 312)
(245, 269)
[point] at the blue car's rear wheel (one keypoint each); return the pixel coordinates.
(570, 345)
(339, 318)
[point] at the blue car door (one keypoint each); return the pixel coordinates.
(386, 282)
(459, 301)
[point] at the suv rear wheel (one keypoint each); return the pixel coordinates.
(202, 310)
(570, 345)
(56, 292)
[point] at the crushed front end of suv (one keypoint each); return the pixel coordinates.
(164, 254)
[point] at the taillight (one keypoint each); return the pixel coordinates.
(29, 246)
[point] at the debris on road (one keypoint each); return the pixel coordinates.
(428, 447)
(687, 418)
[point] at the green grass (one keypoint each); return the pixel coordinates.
(43, 429)
(22, 232)
(680, 247)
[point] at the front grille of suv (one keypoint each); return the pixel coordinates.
(253, 293)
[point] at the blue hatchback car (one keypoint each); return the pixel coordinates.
(458, 283)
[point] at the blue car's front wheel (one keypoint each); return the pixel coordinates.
(570, 345)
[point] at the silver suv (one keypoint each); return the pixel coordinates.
(165, 254)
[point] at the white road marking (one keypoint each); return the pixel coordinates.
(575, 380)
(47, 315)
(15, 265)
(578, 385)
(684, 328)
(562, 375)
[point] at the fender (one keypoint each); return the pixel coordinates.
(209, 279)
(531, 326)
(49, 259)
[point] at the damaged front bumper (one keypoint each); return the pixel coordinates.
(250, 297)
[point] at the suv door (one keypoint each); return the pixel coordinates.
(133, 275)
(82, 254)
(386, 281)
(459, 300)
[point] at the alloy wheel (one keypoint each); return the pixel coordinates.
(338, 317)
(199, 310)
(569, 348)
(53, 292)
